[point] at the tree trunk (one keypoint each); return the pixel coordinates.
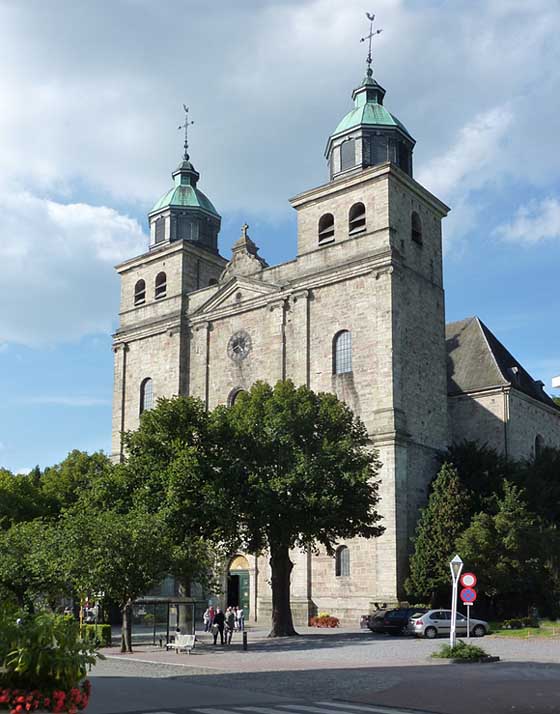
(126, 630)
(281, 567)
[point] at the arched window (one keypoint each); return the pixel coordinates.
(161, 285)
(326, 229)
(140, 292)
(342, 352)
(347, 154)
(357, 219)
(146, 395)
(342, 562)
(416, 228)
(539, 446)
(233, 395)
(160, 229)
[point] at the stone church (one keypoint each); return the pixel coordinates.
(359, 311)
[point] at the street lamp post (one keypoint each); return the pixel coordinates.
(456, 565)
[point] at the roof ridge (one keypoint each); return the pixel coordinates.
(484, 329)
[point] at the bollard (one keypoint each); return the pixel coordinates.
(160, 643)
(244, 640)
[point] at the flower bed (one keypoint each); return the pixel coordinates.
(19, 701)
(323, 620)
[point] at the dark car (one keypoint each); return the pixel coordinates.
(375, 621)
(396, 621)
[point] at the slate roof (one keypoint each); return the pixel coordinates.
(476, 360)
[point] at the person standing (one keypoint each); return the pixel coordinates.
(218, 626)
(230, 624)
(240, 619)
(206, 619)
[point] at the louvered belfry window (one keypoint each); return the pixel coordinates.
(140, 292)
(326, 228)
(357, 219)
(161, 285)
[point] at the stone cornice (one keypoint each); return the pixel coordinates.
(379, 263)
(375, 173)
(164, 251)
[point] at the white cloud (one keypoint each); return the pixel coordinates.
(58, 277)
(534, 222)
(22, 472)
(90, 111)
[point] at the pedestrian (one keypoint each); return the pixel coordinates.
(218, 626)
(212, 614)
(235, 611)
(240, 619)
(230, 624)
(206, 619)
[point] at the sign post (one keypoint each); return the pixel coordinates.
(468, 596)
(456, 566)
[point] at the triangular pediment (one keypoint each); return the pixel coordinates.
(235, 291)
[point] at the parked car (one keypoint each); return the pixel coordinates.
(375, 621)
(438, 622)
(396, 621)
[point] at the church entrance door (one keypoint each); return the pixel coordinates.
(238, 585)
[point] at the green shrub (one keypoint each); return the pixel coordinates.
(461, 651)
(520, 623)
(43, 652)
(101, 635)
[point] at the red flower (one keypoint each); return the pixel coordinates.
(47, 702)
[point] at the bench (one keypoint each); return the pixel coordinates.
(183, 643)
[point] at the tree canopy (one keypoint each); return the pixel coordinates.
(282, 468)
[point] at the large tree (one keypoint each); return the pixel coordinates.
(445, 516)
(283, 468)
(508, 552)
(122, 555)
(302, 474)
(29, 563)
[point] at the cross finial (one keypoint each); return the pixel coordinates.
(244, 229)
(185, 126)
(372, 33)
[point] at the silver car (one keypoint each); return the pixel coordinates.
(438, 622)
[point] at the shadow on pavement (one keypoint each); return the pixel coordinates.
(524, 687)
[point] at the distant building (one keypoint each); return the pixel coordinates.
(359, 311)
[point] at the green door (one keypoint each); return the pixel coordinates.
(244, 584)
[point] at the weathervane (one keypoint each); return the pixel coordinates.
(372, 33)
(185, 126)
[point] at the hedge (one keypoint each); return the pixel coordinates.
(101, 633)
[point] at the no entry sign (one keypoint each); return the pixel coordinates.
(468, 580)
(468, 595)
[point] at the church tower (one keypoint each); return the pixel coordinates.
(378, 232)
(151, 343)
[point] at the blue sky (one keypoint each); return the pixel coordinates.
(92, 96)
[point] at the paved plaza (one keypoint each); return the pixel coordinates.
(344, 671)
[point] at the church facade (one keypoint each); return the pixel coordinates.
(359, 312)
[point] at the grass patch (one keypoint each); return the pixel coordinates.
(461, 651)
(547, 628)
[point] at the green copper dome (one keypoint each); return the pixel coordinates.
(368, 109)
(184, 193)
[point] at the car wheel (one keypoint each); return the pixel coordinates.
(430, 633)
(479, 631)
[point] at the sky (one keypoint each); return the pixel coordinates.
(92, 96)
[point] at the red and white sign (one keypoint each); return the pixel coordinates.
(467, 595)
(468, 580)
